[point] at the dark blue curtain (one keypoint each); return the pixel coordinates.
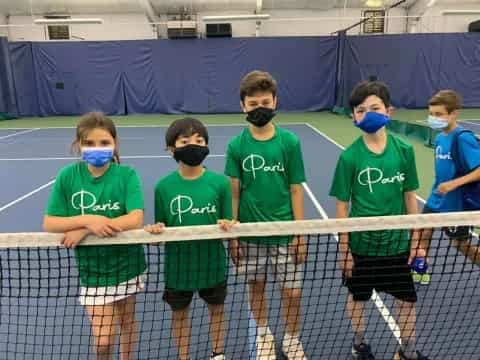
(7, 86)
(202, 76)
(415, 66)
(168, 76)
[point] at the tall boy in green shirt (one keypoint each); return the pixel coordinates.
(265, 166)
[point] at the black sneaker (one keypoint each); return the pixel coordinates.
(401, 356)
(362, 352)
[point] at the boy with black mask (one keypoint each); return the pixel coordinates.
(265, 166)
(190, 196)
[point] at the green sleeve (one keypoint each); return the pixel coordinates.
(57, 202)
(342, 180)
(159, 206)
(232, 163)
(296, 169)
(134, 198)
(411, 177)
(226, 202)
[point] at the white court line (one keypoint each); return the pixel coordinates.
(469, 122)
(18, 133)
(121, 157)
(23, 197)
(382, 308)
(40, 188)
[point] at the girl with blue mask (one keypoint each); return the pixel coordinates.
(98, 196)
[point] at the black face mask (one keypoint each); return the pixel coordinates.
(260, 116)
(191, 155)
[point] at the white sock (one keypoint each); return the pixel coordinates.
(263, 330)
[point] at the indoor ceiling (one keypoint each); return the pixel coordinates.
(41, 7)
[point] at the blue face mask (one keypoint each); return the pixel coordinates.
(372, 122)
(437, 123)
(97, 156)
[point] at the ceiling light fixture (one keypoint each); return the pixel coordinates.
(236, 17)
(68, 21)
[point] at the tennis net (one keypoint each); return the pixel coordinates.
(41, 291)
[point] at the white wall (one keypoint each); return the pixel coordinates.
(115, 27)
(432, 19)
(3, 21)
(311, 23)
(134, 26)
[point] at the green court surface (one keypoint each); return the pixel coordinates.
(337, 127)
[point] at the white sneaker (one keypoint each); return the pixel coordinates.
(218, 357)
(266, 347)
(292, 348)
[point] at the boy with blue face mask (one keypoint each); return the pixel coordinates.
(377, 176)
(446, 193)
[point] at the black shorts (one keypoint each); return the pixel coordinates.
(181, 299)
(453, 232)
(389, 274)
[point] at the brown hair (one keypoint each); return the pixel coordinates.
(257, 81)
(95, 120)
(448, 98)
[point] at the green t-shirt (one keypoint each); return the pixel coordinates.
(117, 192)
(200, 264)
(266, 169)
(375, 185)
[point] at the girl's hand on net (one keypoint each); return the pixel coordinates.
(73, 238)
(102, 226)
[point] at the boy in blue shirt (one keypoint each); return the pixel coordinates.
(446, 193)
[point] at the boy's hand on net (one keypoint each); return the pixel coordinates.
(157, 228)
(226, 225)
(298, 249)
(73, 238)
(236, 251)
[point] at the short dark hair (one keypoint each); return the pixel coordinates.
(368, 88)
(185, 127)
(448, 98)
(257, 81)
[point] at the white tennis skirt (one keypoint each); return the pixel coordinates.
(104, 295)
